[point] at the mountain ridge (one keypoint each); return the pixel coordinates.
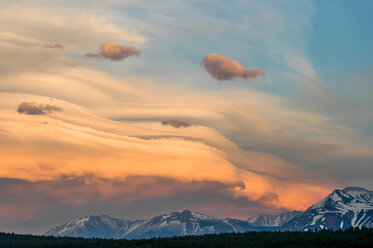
(178, 223)
(349, 207)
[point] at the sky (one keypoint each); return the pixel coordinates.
(137, 108)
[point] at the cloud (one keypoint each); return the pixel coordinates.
(87, 144)
(54, 46)
(177, 123)
(31, 108)
(114, 52)
(222, 68)
(91, 55)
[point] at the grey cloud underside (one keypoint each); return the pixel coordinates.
(31, 108)
(177, 123)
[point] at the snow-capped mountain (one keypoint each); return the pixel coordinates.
(172, 224)
(350, 207)
(273, 220)
(183, 223)
(101, 226)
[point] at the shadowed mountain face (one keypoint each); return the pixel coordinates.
(350, 207)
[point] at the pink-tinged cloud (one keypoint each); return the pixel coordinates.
(54, 46)
(114, 52)
(177, 123)
(222, 68)
(30, 108)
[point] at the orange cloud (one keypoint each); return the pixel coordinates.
(114, 52)
(77, 143)
(222, 68)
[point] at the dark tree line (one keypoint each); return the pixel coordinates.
(352, 237)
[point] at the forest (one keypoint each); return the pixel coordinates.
(353, 237)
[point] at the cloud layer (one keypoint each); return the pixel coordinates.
(222, 68)
(115, 52)
(87, 144)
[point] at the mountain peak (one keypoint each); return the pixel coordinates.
(346, 197)
(350, 207)
(196, 214)
(97, 216)
(186, 214)
(100, 226)
(273, 220)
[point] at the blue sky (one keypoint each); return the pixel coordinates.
(331, 38)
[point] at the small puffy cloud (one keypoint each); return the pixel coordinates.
(54, 46)
(222, 68)
(31, 108)
(177, 123)
(116, 52)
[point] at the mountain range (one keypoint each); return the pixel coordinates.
(350, 207)
(179, 223)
